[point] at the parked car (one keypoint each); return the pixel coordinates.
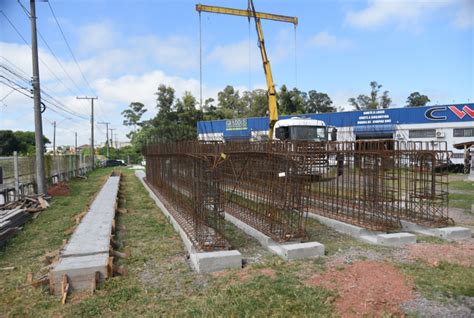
(114, 163)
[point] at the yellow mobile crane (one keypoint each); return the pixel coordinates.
(251, 13)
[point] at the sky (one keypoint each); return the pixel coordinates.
(125, 49)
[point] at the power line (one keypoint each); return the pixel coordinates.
(14, 27)
(16, 68)
(24, 9)
(8, 94)
(53, 101)
(42, 62)
(69, 47)
(13, 82)
(15, 88)
(22, 78)
(51, 51)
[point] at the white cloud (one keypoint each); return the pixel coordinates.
(326, 40)
(404, 13)
(97, 36)
(110, 75)
(179, 52)
(465, 15)
(234, 57)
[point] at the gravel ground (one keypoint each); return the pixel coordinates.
(460, 216)
(430, 308)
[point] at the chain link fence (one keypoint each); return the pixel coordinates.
(19, 179)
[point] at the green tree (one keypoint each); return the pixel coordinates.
(416, 99)
(134, 114)
(230, 103)
(319, 103)
(8, 143)
(176, 119)
(257, 103)
(210, 110)
(21, 141)
(164, 99)
(374, 101)
(291, 102)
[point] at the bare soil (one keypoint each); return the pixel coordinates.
(59, 189)
(366, 288)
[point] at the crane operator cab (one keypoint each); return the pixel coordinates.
(297, 128)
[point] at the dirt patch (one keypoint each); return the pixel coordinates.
(366, 288)
(59, 189)
(267, 272)
(461, 253)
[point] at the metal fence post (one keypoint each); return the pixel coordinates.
(17, 175)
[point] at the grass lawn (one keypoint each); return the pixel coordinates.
(160, 282)
(462, 195)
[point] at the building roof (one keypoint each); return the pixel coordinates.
(461, 145)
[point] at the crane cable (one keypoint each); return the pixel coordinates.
(250, 58)
(200, 62)
(296, 60)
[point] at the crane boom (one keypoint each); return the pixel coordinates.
(251, 13)
(246, 13)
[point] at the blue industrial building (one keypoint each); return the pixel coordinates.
(451, 123)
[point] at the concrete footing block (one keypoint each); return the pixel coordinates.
(207, 262)
(453, 233)
(202, 262)
(342, 227)
(302, 250)
(396, 239)
(372, 237)
(291, 251)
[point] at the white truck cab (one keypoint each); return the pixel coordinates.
(300, 128)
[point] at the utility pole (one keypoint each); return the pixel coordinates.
(54, 139)
(92, 127)
(107, 136)
(35, 82)
(112, 136)
(75, 143)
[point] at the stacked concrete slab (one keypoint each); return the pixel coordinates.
(87, 252)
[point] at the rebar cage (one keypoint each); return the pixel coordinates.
(375, 184)
(272, 185)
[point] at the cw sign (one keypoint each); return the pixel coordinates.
(432, 113)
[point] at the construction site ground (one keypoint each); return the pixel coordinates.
(431, 278)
